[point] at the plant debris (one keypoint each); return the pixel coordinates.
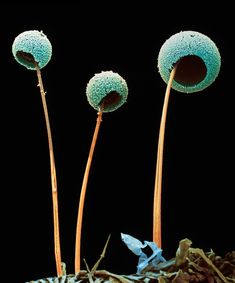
(189, 265)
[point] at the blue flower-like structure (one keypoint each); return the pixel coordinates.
(197, 58)
(32, 47)
(137, 247)
(106, 91)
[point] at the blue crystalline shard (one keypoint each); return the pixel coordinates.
(136, 247)
(133, 244)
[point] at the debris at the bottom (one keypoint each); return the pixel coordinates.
(189, 265)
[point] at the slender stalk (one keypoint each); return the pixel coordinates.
(157, 233)
(82, 195)
(53, 178)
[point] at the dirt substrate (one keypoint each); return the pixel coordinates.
(189, 265)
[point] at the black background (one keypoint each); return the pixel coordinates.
(198, 173)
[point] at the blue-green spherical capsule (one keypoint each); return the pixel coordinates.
(106, 91)
(197, 58)
(30, 47)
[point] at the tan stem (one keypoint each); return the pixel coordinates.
(53, 178)
(157, 233)
(82, 195)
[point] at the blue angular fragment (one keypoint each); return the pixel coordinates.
(136, 247)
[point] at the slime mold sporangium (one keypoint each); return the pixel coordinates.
(31, 47)
(188, 61)
(106, 92)
(33, 50)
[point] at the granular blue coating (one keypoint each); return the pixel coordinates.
(186, 43)
(101, 85)
(34, 43)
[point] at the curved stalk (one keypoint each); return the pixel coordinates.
(157, 230)
(53, 178)
(82, 195)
